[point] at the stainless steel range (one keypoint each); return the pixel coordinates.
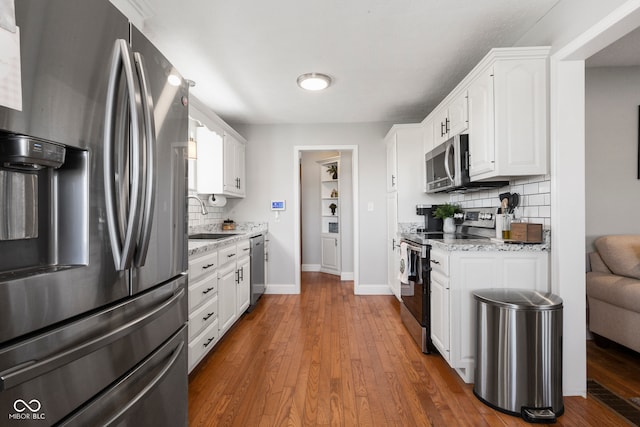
(475, 224)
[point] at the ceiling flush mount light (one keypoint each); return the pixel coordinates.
(314, 81)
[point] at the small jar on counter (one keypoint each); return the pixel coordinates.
(506, 226)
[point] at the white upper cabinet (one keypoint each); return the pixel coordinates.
(521, 110)
(481, 144)
(428, 142)
(220, 154)
(234, 168)
(503, 105)
(220, 167)
(508, 129)
(451, 119)
(458, 115)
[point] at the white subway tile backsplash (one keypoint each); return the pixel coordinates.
(535, 199)
(544, 187)
(517, 189)
(544, 211)
(531, 188)
(215, 215)
(530, 211)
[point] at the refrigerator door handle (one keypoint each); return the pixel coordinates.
(116, 401)
(123, 249)
(150, 163)
(34, 368)
(149, 387)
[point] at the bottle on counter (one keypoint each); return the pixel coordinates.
(506, 226)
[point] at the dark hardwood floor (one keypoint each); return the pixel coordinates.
(615, 367)
(328, 357)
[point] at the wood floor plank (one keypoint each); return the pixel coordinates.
(329, 357)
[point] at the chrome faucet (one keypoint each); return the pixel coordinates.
(204, 208)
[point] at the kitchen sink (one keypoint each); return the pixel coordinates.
(211, 236)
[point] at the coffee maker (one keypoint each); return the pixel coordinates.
(431, 223)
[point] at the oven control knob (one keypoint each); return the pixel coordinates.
(488, 216)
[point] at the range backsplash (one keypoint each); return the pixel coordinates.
(535, 199)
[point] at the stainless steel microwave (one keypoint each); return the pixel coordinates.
(447, 168)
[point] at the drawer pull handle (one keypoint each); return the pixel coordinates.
(207, 291)
(208, 342)
(205, 318)
(435, 262)
(204, 267)
(230, 255)
(246, 249)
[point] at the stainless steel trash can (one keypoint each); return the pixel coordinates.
(519, 353)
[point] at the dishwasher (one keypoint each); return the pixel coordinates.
(257, 285)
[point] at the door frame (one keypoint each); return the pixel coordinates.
(297, 256)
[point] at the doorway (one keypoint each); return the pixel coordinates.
(348, 215)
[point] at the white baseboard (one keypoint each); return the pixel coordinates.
(346, 275)
(373, 290)
(281, 289)
(310, 267)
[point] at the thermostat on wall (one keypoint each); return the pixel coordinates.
(278, 205)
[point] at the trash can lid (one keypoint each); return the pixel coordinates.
(522, 299)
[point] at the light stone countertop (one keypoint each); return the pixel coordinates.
(198, 247)
(479, 245)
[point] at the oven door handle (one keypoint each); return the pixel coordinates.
(411, 246)
(422, 249)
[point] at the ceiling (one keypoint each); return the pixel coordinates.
(391, 60)
(624, 52)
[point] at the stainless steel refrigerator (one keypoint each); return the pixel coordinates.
(93, 241)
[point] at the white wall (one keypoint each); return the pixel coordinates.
(612, 187)
(269, 165)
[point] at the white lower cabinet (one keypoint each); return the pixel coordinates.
(330, 254)
(243, 291)
(454, 277)
(440, 313)
(203, 306)
(201, 345)
(219, 293)
(227, 296)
